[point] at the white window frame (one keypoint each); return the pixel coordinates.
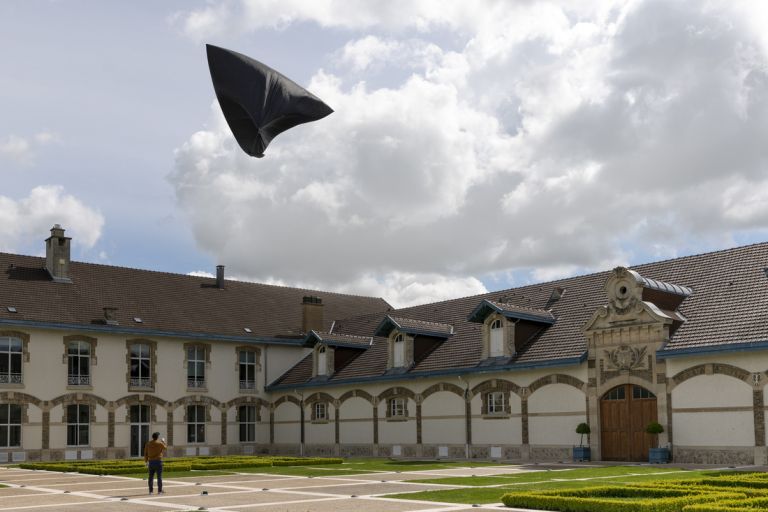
(140, 380)
(398, 351)
(397, 408)
(195, 421)
(322, 361)
(12, 350)
(7, 426)
(246, 416)
(195, 366)
(496, 338)
(78, 359)
(77, 425)
(497, 402)
(321, 411)
(246, 367)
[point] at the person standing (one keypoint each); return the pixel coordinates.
(154, 451)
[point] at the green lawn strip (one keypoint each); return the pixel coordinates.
(184, 474)
(366, 466)
(546, 476)
(485, 495)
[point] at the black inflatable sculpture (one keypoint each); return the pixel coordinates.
(258, 102)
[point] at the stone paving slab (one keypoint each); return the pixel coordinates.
(341, 505)
(17, 491)
(224, 499)
(43, 499)
(372, 488)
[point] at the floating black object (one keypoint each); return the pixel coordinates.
(258, 102)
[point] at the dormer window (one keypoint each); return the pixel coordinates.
(322, 361)
(398, 351)
(496, 348)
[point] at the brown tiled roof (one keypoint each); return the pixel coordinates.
(163, 301)
(728, 306)
(413, 326)
(516, 311)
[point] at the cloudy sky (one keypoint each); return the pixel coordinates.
(474, 145)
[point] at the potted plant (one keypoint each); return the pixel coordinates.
(581, 452)
(657, 455)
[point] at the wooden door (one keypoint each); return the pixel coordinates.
(625, 411)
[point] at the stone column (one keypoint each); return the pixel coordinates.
(271, 425)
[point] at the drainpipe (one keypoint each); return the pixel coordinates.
(301, 419)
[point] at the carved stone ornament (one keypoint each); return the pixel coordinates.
(624, 291)
(626, 358)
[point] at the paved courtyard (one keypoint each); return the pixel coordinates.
(42, 490)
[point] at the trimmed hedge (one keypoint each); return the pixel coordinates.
(202, 463)
(615, 499)
(747, 505)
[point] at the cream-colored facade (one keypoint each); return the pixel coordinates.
(710, 401)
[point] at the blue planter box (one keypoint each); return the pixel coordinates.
(658, 455)
(582, 453)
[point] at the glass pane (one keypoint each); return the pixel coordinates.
(3, 436)
(15, 345)
(144, 414)
(135, 350)
(134, 414)
(251, 373)
(135, 368)
(15, 413)
(83, 416)
(144, 369)
(243, 356)
(83, 435)
(243, 432)
(71, 435)
(72, 348)
(5, 344)
(251, 357)
(4, 415)
(15, 363)
(4, 364)
(191, 433)
(71, 414)
(243, 372)
(15, 436)
(251, 432)
(200, 368)
(200, 432)
(85, 366)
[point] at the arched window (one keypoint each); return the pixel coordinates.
(322, 361)
(398, 351)
(496, 339)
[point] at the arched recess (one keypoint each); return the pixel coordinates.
(78, 398)
(496, 385)
(556, 378)
(444, 414)
(23, 399)
(717, 405)
(318, 397)
(97, 436)
(291, 429)
(713, 368)
(358, 418)
(356, 393)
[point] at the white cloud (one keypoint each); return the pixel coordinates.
(554, 141)
(22, 149)
(46, 205)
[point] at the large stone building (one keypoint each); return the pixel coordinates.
(93, 358)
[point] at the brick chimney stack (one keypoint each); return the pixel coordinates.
(311, 314)
(57, 255)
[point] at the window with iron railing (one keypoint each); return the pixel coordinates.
(196, 366)
(78, 363)
(247, 369)
(11, 352)
(141, 365)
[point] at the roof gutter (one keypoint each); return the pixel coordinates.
(571, 361)
(111, 329)
(750, 346)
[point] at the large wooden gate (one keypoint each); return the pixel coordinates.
(625, 411)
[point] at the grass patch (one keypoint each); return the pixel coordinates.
(366, 466)
(565, 480)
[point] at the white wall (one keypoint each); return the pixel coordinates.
(554, 411)
(355, 425)
(443, 420)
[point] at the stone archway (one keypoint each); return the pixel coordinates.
(625, 411)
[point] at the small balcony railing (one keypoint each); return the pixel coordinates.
(11, 378)
(78, 380)
(247, 384)
(140, 382)
(195, 383)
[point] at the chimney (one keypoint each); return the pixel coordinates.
(110, 316)
(311, 314)
(219, 276)
(57, 255)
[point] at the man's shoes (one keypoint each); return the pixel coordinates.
(160, 492)
(150, 493)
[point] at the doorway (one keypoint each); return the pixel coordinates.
(625, 411)
(139, 416)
